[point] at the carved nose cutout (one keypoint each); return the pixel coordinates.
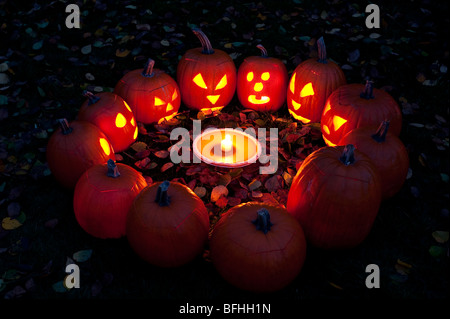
(213, 98)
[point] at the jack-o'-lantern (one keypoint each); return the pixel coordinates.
(262, 82)
(310, 85)
(152, 94)
(113, 116)
(357, 105)
(206, 77)
(73, 148)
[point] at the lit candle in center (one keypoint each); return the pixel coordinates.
(227, 143)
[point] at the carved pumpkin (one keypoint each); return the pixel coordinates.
(168, 224)
(310, 85)
(206, 76)
(262, 82)
(258, 247)
(152, 94)
(386, 151)
(103, 197)
(357, 105)
(335, 196)
(74, 148)
(113, 116)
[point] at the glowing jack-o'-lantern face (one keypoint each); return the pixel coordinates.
(206, 77)
(310, 85)
(356, 105)
(262, 82)
(152, 94)
(113, 116)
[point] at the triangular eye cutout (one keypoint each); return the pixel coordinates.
(338, 122)
(222, 83)
(307, 90)
(174, 95)
(292, 83)
(158, 101)
(198, 79)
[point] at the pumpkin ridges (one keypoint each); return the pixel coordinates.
(390, 156)
(159, 234)
(241, 255)
(328, 218)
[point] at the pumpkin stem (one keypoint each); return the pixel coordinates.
(66, 129)
(322, 51)
(262, 220)
(91, 97)
(348, 156)
(162, 198)
(264, 53)
(206, 45)
(148, 69)
(113, 170)
(368, 91)
(380, 134)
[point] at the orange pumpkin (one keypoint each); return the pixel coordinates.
(103, 197)
(386, 151)
(206, 76)
(335, 196)
(113, 116)
(168, 224)
(258, 247)
(152, 94)
(74, 148)
(310, 85)
(262, 82)
(357, 105)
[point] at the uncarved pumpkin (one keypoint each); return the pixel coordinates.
(262, 82)
(258, 247)
(206, 76)
(168, 224)
(73, 148)
(152, 94)
(386, 151)
(357, 105)
(310, 85)
(335, 196)
(103, 197)
(113, 116)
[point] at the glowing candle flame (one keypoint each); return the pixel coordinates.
(227, 144)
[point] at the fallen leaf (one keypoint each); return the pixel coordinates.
(82, 255)
(200, 191)
(166, 166)
(217, 192)
(9, 223)
(440, 236)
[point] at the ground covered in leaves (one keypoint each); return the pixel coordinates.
(44, 68)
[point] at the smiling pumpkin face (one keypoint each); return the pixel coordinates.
(262, 82)
(206, 77)
(310, 85)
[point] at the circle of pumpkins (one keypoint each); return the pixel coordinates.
(333, 199)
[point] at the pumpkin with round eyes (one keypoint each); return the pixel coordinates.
(357, 105)
(113, 116)
(262, 82)
(74, 148)
(310, 85)
(152, 94)
(206, 76)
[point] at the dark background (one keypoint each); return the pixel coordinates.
(47, 66)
